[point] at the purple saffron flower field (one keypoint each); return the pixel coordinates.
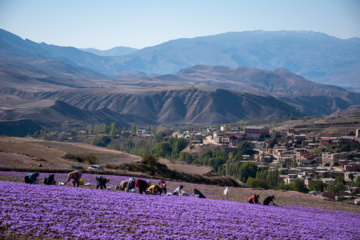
(40, 211)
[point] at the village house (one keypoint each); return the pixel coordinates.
(307, 181)
(178, 135)
(333, 158)
(335, 174)
(327, 181)
(322, 173)
(300, 138)
(290, 178)
(285, 159)
(347, 139)
(225, 128)
(292, 132)
(279, 150)
(228, 138)
(348, 174)
(312, 145)
(351, 167)
(255, 132)
(257, 145)
(325, 141)
(303, 158)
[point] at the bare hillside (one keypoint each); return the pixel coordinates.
(22, 152)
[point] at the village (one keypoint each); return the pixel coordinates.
(295, 155)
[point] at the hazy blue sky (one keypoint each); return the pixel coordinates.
(109, 23)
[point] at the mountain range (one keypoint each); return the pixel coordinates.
(315, 56)
(207, 80)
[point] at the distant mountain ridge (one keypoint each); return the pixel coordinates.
(68, 55)
(116, 51)
(315, 56)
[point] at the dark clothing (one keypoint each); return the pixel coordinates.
(101, 182)
(162, 185)
(50, 180)
(253, 199)
(142, 185)
(268, 200)
(197, 192)
(130, 184)
(31, 177)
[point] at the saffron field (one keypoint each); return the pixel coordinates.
(40, 211)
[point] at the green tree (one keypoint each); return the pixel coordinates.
(247, 169)
(113, 129)
(149, 160)
(161, 149)
(90, 158)
(133, 128)
(317, 185)
(273, 177)
(257, 183)
(89, 129)
(178, 144)
(336, 186)
(356, 183)
(101, 141)
(184, 156)
(299, 185)
(154, 129)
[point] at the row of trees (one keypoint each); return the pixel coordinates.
(111, 129)
(170, 149)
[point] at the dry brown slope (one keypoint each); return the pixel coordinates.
(21, 152)
(51, 154)
(190, 105)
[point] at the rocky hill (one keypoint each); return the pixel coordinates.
(190, 104)
(22, 117)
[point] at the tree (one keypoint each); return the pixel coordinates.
(184, 156)
(351, 176)
(178, 144)
(161, 149)
(257, 183)
(149, 160)
(154, 129)
(113, 129)
(90, 158)
(356, 183)
(336, 186)
(133, 128)
(299, 185)
(317, 185)
(101, 141)
(272, 177)
(89, 129)
(247, 169)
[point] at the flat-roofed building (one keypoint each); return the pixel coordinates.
(333, 158)
(255, 132)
